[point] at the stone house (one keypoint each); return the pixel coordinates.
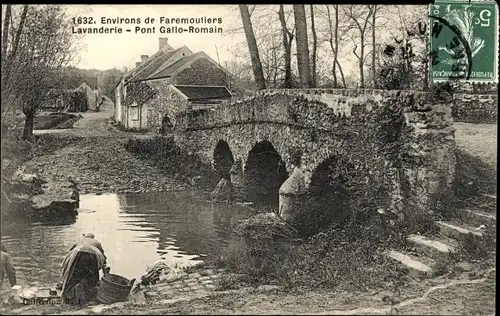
(93, 96)
(170, 81)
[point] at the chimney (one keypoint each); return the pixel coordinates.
(163, 43)
(137, 63)
(144, 58)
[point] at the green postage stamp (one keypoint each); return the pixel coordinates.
(463, 41)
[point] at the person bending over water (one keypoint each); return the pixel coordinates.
(7, 268)
(80, 270)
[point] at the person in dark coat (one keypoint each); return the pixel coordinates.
(7, 268)
(80, 270)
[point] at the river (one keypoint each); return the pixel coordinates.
(135, 230)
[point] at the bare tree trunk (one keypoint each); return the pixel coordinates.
(315, 47)
(29, 124)
(19, 30)
(374, 45)
(287, 44)
(336, 53)
(252, 47)
(361, 27)
(5, 35)
(362, 63)
(7, 67)
(426, 66)
(302, 45)
(341, 74)
(334, 45)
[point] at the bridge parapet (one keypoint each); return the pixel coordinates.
(321, 109)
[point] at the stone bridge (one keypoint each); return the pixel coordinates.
(286, 140)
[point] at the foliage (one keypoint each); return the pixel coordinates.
(173, 159)
(473, 177)
(38, 46)
(265, 226)
(349, 257)
(403, 64)
(354, 184)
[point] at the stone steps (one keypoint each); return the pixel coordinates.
(477, 218)
(415, 266)
(435, 249)
(421, 263)
(457, 232)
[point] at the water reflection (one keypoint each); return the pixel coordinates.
(134, 229)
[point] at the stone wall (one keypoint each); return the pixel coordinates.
(202, 72)
(155, 99)
(475, 108)
(401, 138)
(165, 102)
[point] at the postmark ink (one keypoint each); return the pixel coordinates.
(464, 41)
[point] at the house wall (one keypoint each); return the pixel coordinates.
(118, 103)
(137, 117)
(167, 101)
(201, 72)
(137, 94)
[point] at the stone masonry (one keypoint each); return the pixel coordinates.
(403, 137)
(475, 108)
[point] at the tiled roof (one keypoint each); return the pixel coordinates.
(153, 66)
(170, 70)
(204, 92)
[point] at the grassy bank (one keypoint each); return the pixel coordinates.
(174, 161)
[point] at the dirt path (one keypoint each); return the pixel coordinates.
(479, 140)
(456, 297)
(460, 296)
(95, 156)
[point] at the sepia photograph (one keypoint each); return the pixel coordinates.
(258, 159)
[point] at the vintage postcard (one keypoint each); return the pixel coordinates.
(249, 159)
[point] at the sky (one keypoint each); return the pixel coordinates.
(105, 51)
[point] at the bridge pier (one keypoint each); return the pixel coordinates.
(237, 177)
(291, 193)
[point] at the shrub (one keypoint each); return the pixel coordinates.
(165, 153)
(350, 257)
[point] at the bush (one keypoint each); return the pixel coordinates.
(349, 257)
(473, 177)
(165, 153)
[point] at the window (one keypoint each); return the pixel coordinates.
(134, 112)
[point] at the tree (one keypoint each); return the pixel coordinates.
(360, 17)
(252, 46)
(287, 45)
(302, 46)
(9, 55)
(334, 38)
(315, 47)
(374, 46)
(37, 50)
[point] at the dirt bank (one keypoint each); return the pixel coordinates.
(471, 293)
(55, 121)
(101, 164)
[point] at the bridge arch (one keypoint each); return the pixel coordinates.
(265, 171)
(327, 201)
(223, 159)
